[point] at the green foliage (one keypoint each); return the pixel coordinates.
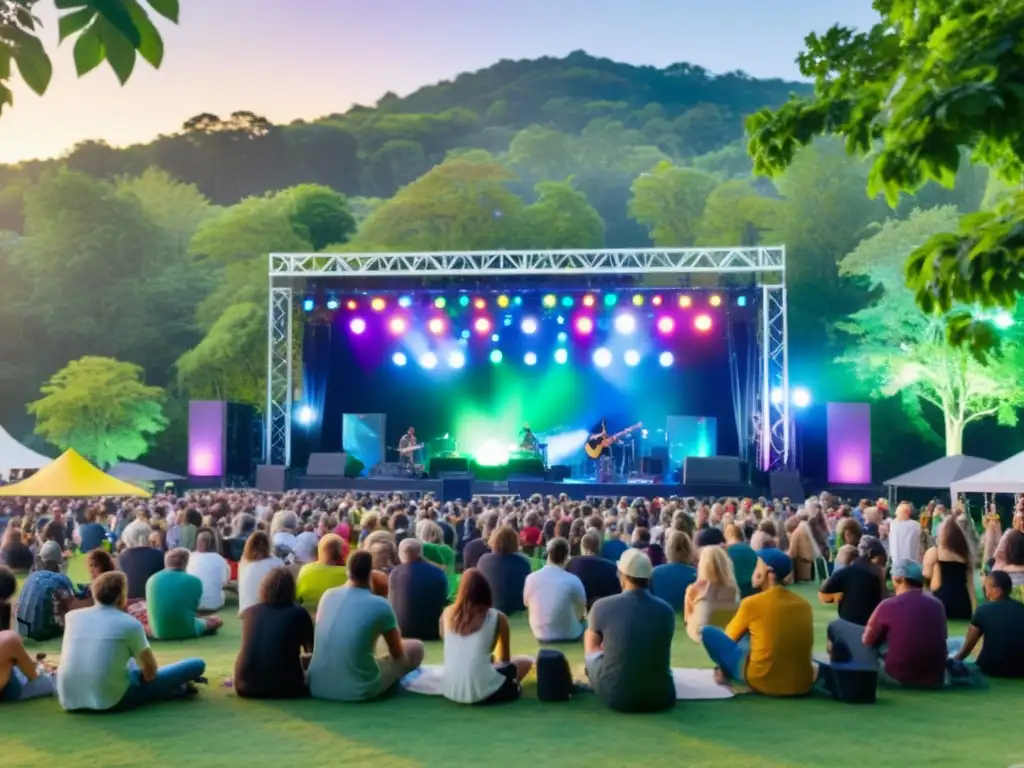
(560, 218)
(737, 214)
(111, 30)
(229, 363)
(931, 77)
(100, 407)
(318, 214)
(670, 202)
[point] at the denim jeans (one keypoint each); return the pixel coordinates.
(728, 655)
(169, 682)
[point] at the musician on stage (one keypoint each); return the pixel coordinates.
(405, 445)
(605, 470)
(528, 440)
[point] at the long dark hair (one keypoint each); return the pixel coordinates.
(473, 600)
(953, 539)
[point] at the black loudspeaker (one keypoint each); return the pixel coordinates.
(532, 467)
(559, 472)
(786, 485)
(240, 440)
(327, 465)
(440, 465)
(712, 470)
(271, 478)
(456, 486)
(651, 465)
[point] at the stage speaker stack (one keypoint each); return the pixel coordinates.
(786, 485)
(559, 472)
(439, 465)
(651, 466)
(271, 478)
(712, 470)
(532, 467)
(456, 486)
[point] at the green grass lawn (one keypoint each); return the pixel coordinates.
(963, 728)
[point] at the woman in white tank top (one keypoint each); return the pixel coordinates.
(472, 629)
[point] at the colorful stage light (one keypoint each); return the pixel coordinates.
(463, 300)
(528, 326)
(625, 323)
(801, 397)
(480, 303)
(685, 302)
(776, 396)
(456, 359)
(405, 302)
(378, 304)
(666, 325)
(465, 333)
(602, 357)
(507, 321)
(638, 300)
(562, 336)
(440, 302)
(656, 301)
(350, 304)
(610, 299)
(503, 301)
(741, 301)
(666, 359)
(702, 323)
(589, 300)
(560, 320)
(436, 326)
(495, 338)
(584, 325)
(305, 415)
(399, 359)
(308, 305)
(333, 303)
(549, 301)
(428, 360)
(561, 356)
(357, 326)
(518, 301)
(530, 358)
(632, 358)
(715, 300)
(482, 325)
(397, 325)
(496, 356)
(567, 301)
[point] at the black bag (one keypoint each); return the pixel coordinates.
(554, 678)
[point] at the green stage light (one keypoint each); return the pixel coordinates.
(491, 454)
(549, 301)
(610, 299)
(439, 302)
(567, 301)
(496, 355)
(464, 300)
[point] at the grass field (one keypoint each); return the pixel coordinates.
(951, 728)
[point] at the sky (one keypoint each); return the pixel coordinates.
(292, 59)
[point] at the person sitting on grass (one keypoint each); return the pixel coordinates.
(555, 599)
(768, 643)
(326, 573)
(434, 549)
(477, 548)
(714, 596)
(670, 580)
(21, 676)
(418, 592)
(506, 569)
(138, 560)
(98, 561)
(172, 601)
(45, 595)
(478, 665)
(350, 621)
(257, 562)
(276, 636)
(629, 669)
(859, 587)
(908, 631)
(744, 559)
(1000, 622)
(106, 662)
(600, 577)
(211, 569)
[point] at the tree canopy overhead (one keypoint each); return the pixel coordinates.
(931, 77)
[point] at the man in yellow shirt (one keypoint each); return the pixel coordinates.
(769, 641)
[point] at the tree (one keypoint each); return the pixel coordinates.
(670, 201)
(737, 214)
(931, 77)
(318, 214)
(100, 407)
(560, 218)
(228, 364)
(175, 208)
(897, 349)
(108, 30)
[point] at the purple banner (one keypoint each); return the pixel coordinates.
(207, 435)
(849, 443)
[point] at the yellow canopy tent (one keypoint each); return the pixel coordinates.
(72, 476)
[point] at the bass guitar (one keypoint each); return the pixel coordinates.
(595, 446)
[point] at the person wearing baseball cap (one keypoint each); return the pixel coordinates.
(769, 641)
(629, 669)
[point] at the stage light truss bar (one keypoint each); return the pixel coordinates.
(493, 263)
(278, 415)
(774, 432)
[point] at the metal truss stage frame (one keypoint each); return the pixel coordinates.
(765, 266)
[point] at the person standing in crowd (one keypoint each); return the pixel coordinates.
(417, 592)
(555, 599)
(904, 535)
(629, 669)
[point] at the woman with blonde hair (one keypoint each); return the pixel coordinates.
(257, 561)
(381, 546)
(434, 548)
(713, 598)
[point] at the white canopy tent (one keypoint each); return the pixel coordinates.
(941, 473)
(1005, 477)
(14, 455)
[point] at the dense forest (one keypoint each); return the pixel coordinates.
(155, 254)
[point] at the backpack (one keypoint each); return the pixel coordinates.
(41, 605)
(554, 678)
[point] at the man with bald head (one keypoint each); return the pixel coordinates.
(418, 592)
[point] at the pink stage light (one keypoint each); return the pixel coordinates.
(357, 326)
(397, 325)
(666, 325)
(702, 323)
(584, 325)
(436, 326)
(482, 325)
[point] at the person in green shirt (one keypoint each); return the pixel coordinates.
(172, 601)
(744, 559)
(434, 548)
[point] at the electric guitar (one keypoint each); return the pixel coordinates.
(596, 445)
(409, 449)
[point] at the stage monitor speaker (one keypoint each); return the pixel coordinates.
(651, 465)
(712, 470)
(559, 472)
(440, 465)
(456, 486)
(326, 465)
(526, 467)
(241, 444)
(271, 478)
(786, 485)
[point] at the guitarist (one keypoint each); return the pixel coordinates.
(408, 441)
(605, 470)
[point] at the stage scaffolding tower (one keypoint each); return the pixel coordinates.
(765, 266)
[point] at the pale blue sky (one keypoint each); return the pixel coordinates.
(289, 59)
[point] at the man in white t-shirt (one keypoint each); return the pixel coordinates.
(555, 598)
(211, 569)
(305, 546)
(106, 662)
(904, 536)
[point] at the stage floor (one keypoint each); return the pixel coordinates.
(525, 488)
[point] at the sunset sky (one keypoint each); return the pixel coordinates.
(289, 59)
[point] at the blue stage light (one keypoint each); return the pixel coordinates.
(801, 397)
(632, 358)
(333, 303)
(741, 301)
(399, 358)
(405, 302)
(456, 359)
(465, 334)
(530, 358)
(305, 415)
(562, 336)
(308, 305)
(561, 356)
(496, 356)
(495, 337)
(528, 326)
(610, 299)
(507, 321)
(625, 323)
(428, 360)
(666, 359)
(602, 357)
